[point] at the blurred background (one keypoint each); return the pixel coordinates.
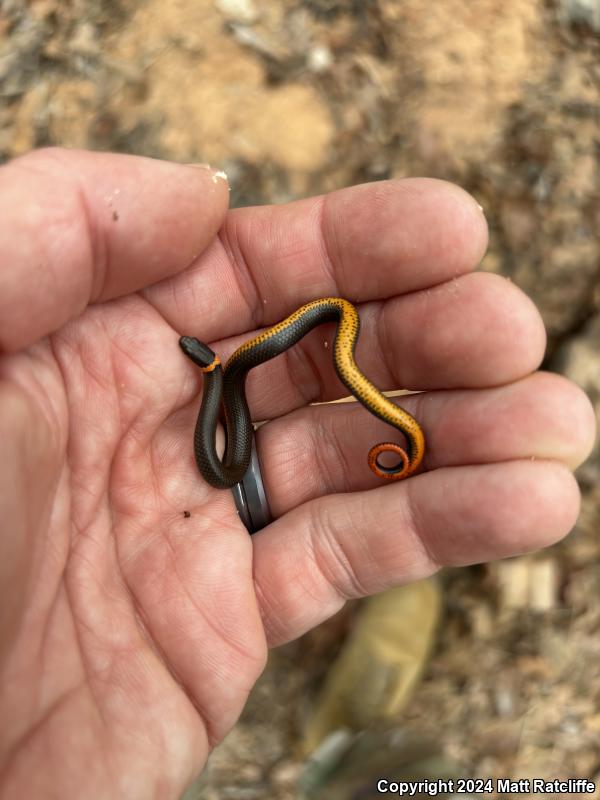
(488, 671)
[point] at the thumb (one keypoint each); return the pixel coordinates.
(78, 227)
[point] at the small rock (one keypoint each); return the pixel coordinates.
(84, 40)
(528, 583)
(319, 58)
(286, 773)
(581, 12)
(512, 577)
(545, 584)
(504, 701)
(249, 773)
(238, 10)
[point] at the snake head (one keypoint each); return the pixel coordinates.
(200, 353)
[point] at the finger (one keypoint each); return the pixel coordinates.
(82, 227)
(322, 450)
(480, 331)
(309, 562)
(367, 242)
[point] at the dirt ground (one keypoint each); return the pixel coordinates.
(296, 97)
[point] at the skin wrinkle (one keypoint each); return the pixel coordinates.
(266, 471)
(383, 343)
(416, 530)
(83, 489)
(329, 434)
(241, 268)
(76, 576)
(158, 652)
(76, 345)
(46, 624)
(140, 736)
(32, 732)
(77, 627)
(112, 473)
(334, 577)
(132, 425)
(302, 355)
(309, 555)
(325, 477)
(85, 565)
(55, 595)
(291, 449)
(69, 586)
(116, 348)
(61, 446)
(190, 387)
(35, 431)
(155, 471)
(93, 259)
(171, 670)
(68, 457)
(117, 562)
(138, 608)
(268, 613)
(132, 430)
(134, 648)
(328, 262)
(272, 612)
(315, 434)
(177, 312)
(98, 249)
(178, 290)
(245, 655)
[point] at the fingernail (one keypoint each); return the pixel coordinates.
(217, 174)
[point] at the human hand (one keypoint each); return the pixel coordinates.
(131, 633)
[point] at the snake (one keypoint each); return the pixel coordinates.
(224, 391)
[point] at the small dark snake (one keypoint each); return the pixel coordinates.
(226, 388)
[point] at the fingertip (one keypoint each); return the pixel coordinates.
(513, 318)
(460, 225)
(546, 501)
(402, 235)
(571, 418)
(472, 514)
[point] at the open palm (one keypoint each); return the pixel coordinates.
(136, 610)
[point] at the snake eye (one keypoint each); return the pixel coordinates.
(200, 353)
(390, 473)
